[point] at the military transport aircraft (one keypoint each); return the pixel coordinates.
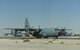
(39, 32)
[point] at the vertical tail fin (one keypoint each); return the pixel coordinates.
(27, 26)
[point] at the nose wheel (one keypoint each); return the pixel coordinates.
(56, 36)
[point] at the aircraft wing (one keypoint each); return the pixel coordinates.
(22, 29)
(19, 29)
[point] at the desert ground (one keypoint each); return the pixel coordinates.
(39, 44)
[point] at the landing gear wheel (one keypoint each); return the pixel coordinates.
(38, 37)
(45, 37)
(56, 37)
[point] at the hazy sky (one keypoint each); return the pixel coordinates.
(46, 13)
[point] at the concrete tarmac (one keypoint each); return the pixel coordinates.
(8, 44)
(38, 47)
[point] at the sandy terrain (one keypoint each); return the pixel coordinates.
(39, 44)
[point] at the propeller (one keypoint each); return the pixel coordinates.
(63, 31)
(12, 32)
(37, 30)
(32, 27)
